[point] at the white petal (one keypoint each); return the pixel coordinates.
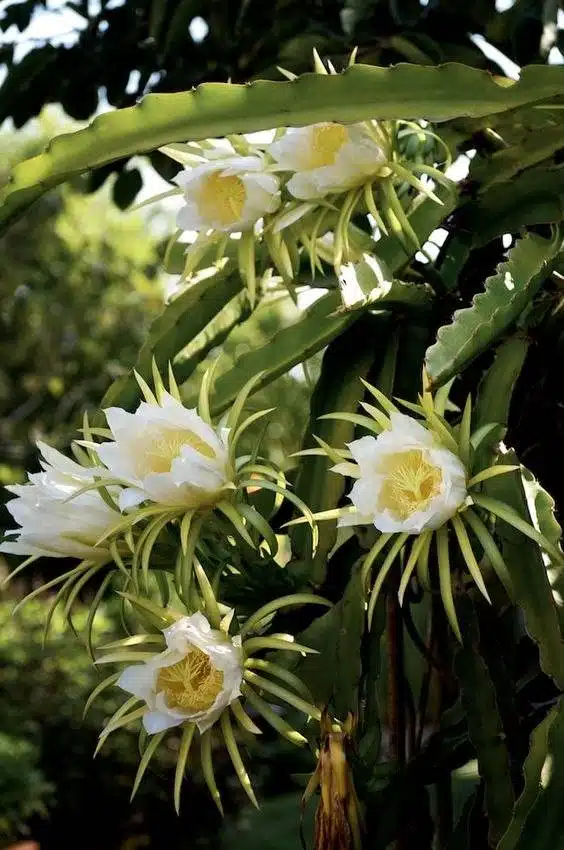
(63, 463)
(365, 493)
(241, 165)
(187, 630)
(365, 451)
(198, 471)
(187, 176)
(120, 422)
(160, 487)
(26, 549)
(119, 460)
(188, 218)
(306, 186)
(449, 463)
(384, 521)
(406, 432)
(205, 721)
(158, 721)
(139, 680)
(174, 414)
(268, 183)
(288, 151)
(130, 497)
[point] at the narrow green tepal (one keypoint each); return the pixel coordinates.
(216, 109)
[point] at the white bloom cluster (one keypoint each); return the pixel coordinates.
(163, 453)
(197, 676)
(406, 480)
(230, 194)
(54, 521)
(327, 158)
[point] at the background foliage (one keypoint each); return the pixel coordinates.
(78, 289)
(79, 284)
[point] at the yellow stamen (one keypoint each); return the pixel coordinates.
(327, 140)
(191, 684)
(222, 198)
(158, 449)
(411, 482)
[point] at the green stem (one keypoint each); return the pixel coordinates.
(396, 679)
(443, 786)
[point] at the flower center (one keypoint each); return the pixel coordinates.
(191, 684)
(411, 482)
(327, 140)
(163, 446)
(222, 198)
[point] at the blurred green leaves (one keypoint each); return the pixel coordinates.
(79, 285)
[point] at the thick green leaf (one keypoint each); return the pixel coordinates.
(534, 197)
(374, 685)
(528, 572)
(484, 723)
(216, 109)
(532, 772)
(461, 838)
(372, 288)
(495, 393)
(543, 505)
(506, 163)
(234, 313)
(305, 335)
(346, 360)
(543, 508)
(496, 387)
(333, 675)
(543, 828)
(493, 311)
(179, 323)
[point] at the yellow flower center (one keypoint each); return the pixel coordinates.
(411, 482)
(327, 140)
(222, 198)
(162, 446)
(191, 684)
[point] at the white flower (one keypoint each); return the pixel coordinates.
(167, 454)
(228, 195)
(51, 525)
(327, 158)
(407, 481)
(197, 676)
